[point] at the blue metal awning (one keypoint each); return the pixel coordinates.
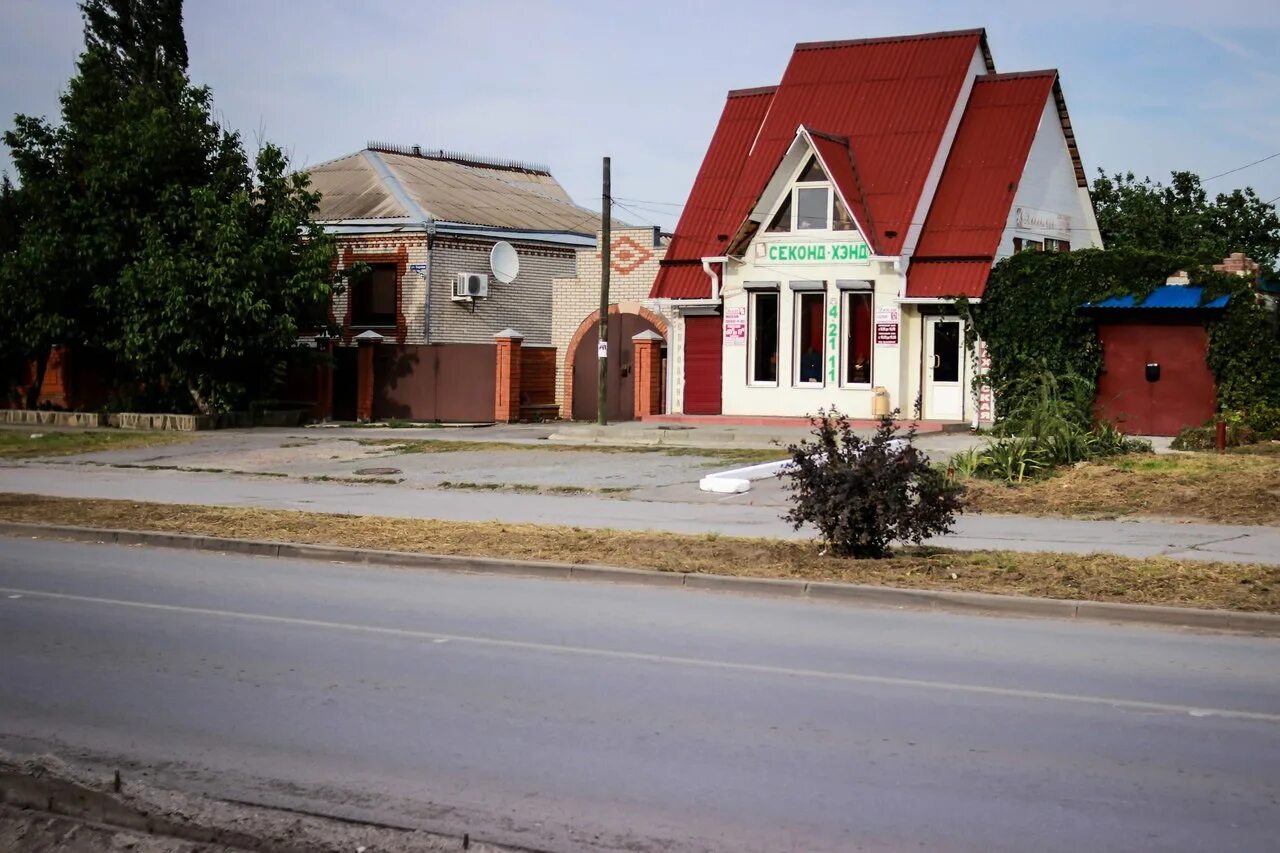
(1166, 296)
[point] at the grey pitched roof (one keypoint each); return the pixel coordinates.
(372, 184)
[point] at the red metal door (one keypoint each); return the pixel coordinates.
(1183, 394)
(703, 362)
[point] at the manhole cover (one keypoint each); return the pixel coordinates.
(382, 471)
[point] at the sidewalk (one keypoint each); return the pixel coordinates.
(728, 516)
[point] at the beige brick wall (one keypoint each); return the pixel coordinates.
(635, 259)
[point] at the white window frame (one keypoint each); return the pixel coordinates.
(752, 324)
(796, 356)
(846, 320)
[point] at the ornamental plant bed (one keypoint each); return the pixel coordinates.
(1099, 577)
(1232, 488)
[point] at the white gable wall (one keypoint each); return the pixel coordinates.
(1052, 203)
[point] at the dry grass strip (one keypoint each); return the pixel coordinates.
(30, 442)
(1228, 489)
(1098, 577)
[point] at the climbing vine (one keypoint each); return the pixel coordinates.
(1029, 319)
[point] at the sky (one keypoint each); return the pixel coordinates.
(1151, 86)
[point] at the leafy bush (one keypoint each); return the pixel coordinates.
(1259, 423)
(1015, 458)
(1049, 425)
(863, 494)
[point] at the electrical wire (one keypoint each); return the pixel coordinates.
(1241, 168)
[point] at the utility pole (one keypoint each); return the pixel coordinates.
(602, 348)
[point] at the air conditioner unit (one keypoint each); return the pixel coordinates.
(470, 285)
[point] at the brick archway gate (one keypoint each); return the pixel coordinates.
(580, 365)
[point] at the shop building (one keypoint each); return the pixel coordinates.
(838, 216)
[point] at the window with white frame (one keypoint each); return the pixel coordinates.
(811, 205)
(809, 337)
(763, 321)
(858, 343)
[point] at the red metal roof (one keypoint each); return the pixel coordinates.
(681, 275)
(971, 207)
(837, 162)
(947, 278)
(892, 99)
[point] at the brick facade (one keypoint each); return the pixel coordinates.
(524, 304)
(636, 253)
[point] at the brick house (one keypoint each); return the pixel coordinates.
(419, 333)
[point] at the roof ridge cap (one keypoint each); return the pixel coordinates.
(813, 131)
(1017, 75)
(758, 90)
(940, 34)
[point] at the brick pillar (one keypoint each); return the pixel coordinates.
(364, 374)
(506, 389)
(648, 379)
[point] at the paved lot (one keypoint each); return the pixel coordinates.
(342, 452)
(624, 718)
(730, 515)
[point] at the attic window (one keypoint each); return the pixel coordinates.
(840, 218)
(782, 222)
(811, 208)
(812, 172)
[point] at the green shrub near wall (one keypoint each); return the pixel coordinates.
(1029, 319)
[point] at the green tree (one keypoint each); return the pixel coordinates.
(189, 268)
(1180, 218)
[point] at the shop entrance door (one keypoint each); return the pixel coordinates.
(943, 369)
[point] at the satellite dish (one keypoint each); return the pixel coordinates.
(504, 262)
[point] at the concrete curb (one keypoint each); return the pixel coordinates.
(946, 601)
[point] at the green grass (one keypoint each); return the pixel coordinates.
(35, 442)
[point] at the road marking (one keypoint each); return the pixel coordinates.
(648, 657)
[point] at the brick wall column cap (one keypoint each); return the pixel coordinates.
(509, 334)
(648, 335)
(369, 336)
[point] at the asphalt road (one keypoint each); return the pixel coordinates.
(597, 717)
(731, 515)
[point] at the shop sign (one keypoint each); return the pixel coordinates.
(844, 252)
(887, 326)
(735, 327)
(833, 340)
(986, 397)
(1031, 219)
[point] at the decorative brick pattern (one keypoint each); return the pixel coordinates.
(636, 253)
(404, 252)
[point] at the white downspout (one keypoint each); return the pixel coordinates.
(711, 273)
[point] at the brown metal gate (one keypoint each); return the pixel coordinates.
(621, 380)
